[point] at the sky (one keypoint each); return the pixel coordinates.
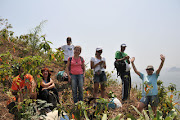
(148, 28)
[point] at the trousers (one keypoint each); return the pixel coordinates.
(126, 85)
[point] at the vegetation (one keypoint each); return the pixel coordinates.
(32, 52)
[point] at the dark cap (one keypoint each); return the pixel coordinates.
(150, 67)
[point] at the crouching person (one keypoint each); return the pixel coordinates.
(47, 85)
(23, 86)
(150, 88)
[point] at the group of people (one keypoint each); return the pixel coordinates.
(24, 86)
(75, 68)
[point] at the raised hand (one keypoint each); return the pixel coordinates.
(132, 59)
(127, 57)
(162, 57)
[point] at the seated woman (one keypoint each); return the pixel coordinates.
(46, 85)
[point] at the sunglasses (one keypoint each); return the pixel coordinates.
(149, 69)
(100, 51)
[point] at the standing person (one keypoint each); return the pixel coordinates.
(98, 64)
(76, 73)
(68, 49)
(125, 75)
(46, 85)
(149, 89)
(25, 85)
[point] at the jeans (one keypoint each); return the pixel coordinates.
(126, 85)
(77, 83)
(152, 100)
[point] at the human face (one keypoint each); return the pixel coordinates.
(99, 52)
(149, 71)
(123, 49)
(77, 51)
(68, 41)
(45, 74)
(21, 72)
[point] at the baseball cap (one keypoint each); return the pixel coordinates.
(150, 67)
(123, 45)
(99, 48)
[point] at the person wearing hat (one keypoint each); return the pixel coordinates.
(125, 75)
(150, 88)
(68, 49)
(98, 64)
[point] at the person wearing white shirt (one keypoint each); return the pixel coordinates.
(98, 64)
(68, 49)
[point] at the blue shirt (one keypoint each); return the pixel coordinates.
(149, 84)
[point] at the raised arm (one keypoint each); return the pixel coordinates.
(162, 57)
(135, 70)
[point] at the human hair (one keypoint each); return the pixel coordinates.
(68, 38)
(78, 47)
(49, 74)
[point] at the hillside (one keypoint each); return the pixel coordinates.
(33, 52)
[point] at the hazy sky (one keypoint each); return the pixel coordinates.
(148, 27)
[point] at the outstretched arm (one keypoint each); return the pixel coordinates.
(135, 70)
(162, 57)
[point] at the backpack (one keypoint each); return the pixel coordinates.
(70, 62)
(120, 66)
(62, 76)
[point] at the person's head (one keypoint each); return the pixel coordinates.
(77, 50)
(20, 70)
(68, 40)
(123, 47)
(150, 69)
(99, 51)
(46, 73)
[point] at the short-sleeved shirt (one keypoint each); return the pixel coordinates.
(68, 51)
(96, 60)
(119, 55)
(18, 83)
(149, 84)
(76, 66)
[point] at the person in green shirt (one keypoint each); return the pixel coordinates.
(125, 75)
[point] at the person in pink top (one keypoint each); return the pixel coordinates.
(76, 73)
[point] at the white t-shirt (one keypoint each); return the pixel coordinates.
(95, 60)
(68, 51)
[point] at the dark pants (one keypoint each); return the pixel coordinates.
(44, 94)
(126, 85)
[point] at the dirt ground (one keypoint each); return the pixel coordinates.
(126, 106)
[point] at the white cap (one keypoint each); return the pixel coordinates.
(99, 48)
(123, 45)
